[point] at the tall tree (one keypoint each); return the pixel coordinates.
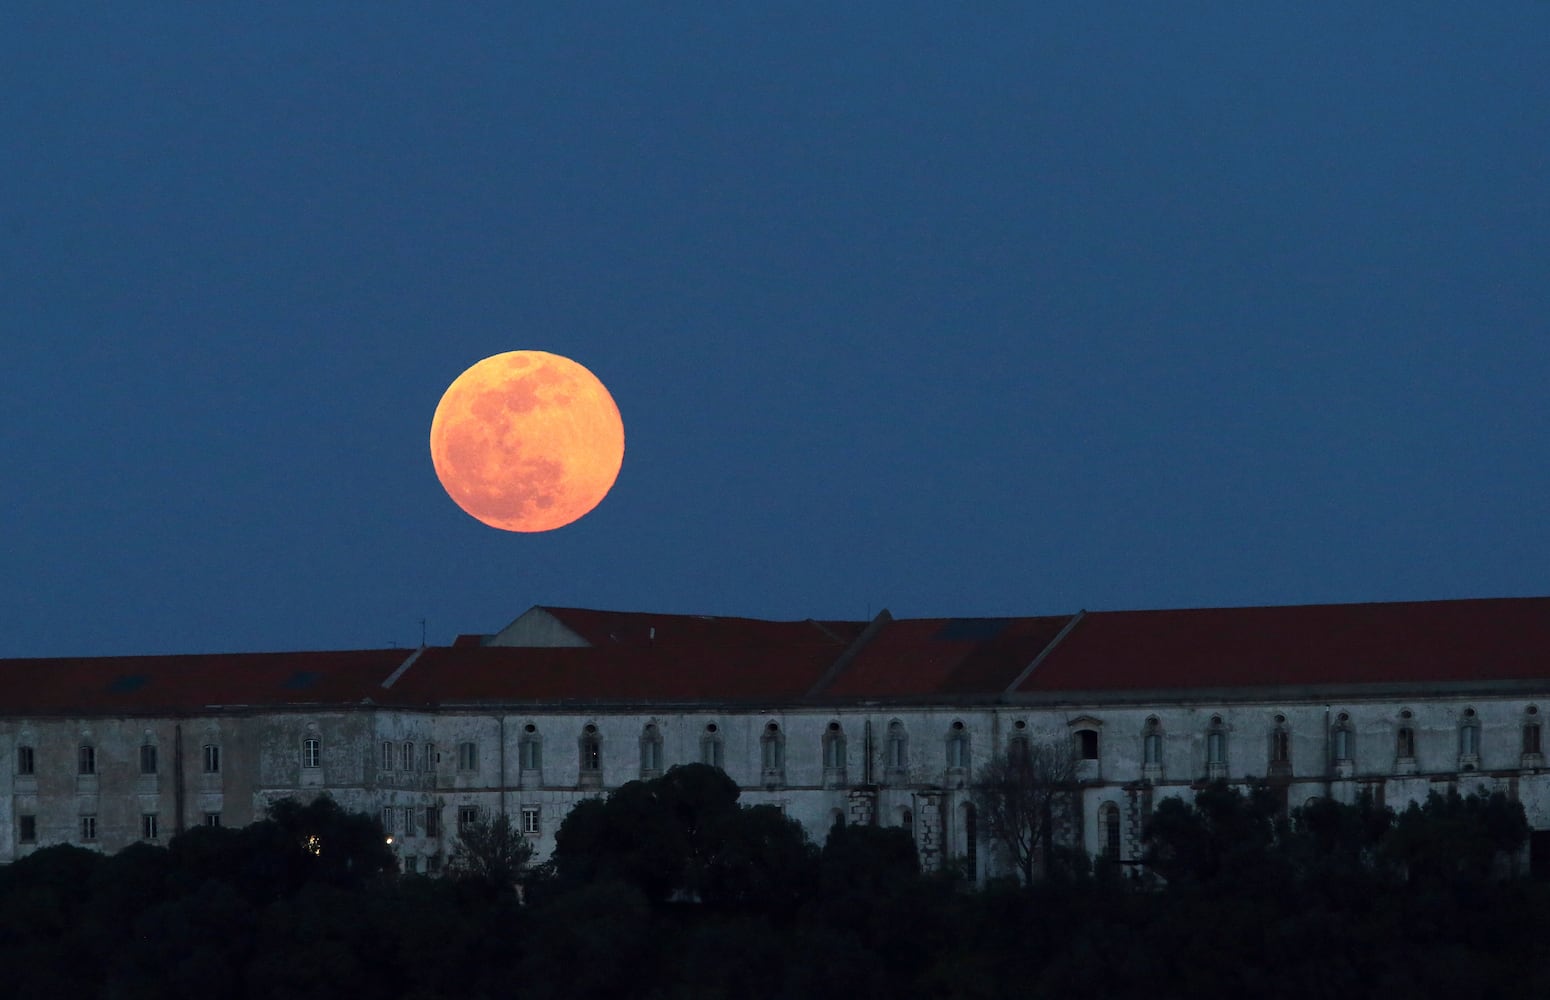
(1021, 795)
(490, 850)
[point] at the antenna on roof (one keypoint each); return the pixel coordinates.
(422, 633)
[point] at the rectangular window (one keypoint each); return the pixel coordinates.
(86, 760)
(88, 828)
(212, 759)
(468, 757)
(24, 760)
(412, 864)
(310, 751)
(430, 756)
(651, 756)
(531, 755)
(710, 752)
(387, 818)
(774, 755)
(432, 821)
(408, 756)
(148, 826)
(411, 828)
(1216, 748)
(1342, 744)
(148, 759)
(27, 829)
(896, 758)
(387, 755)
(958, 751)
(530, 820)
(1405, 742)
(1152, 749)
(1531, 737)
(213, 819)
(1469, 741)
(433, 864)
(1280, 747)
(466, 817)
(591, 756)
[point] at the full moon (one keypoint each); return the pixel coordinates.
(527, 441)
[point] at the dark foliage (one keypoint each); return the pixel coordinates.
(709, 899)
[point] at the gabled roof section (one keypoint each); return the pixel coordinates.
(142, 685)
(632, 629)
(1415, 642)
(536, 627)
(920, 657)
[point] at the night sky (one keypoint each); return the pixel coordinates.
(951, 309)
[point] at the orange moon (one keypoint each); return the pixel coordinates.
(527, 441)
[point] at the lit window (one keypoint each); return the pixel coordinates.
(212, 758)
(86, 760)
(310, 751)
(530, 822)
(468, 756)
(148, 827)
(27, 829)
(88, 828)
(24, 760)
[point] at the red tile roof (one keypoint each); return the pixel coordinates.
(916, 657)
(1321, 644)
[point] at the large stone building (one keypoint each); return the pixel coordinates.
(874, 722)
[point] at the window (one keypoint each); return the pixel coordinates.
(530, 751)
(1280, 747)
(387, 819)
(408, 757)
(311, 750)
(1404, 742)
(430, 756)
(1216, 744)
(1151, 743)
(907, 821)
(650, 750)
(409, 817)
(213, 759)
(387, 755)
(412, 864)
(148, 759)
(1086, 744)
(148, 826)
(86, 760)
(88, 828)
(468, 757)
(898, 752)
(971, 836)
(24, 760)
(772, 748)
(957, 745)
(432, 821)
(213, 820)
(834, 748)
(710, 745)
(433, 864)
(591, 749)
(530, 824)
(1469, 735)
(466, 816)
(1340, 739)
(1108, 822)
(1018, 751)
(1531, 738)
(27, 829)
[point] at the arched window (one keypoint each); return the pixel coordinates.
(907, 820)
(1018, 750)
(898, 750)
(710, 745)
(530, 751)
(591, 749)
(971, 840)
(1469, 739)
(1216, 747)
(834, 748)
(958, 745)
(772, 752)
(1151, 743)
(1340, 739)
(836, 818)
(650, 751)
(408, 756)
(1404, 737)
(1531, 740)
(1108, 825)
(1280, 745)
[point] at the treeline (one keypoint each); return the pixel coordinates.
(671, 889)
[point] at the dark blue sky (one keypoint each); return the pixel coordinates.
(953, 309)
